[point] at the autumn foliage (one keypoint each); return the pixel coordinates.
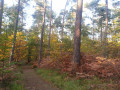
(90, 66)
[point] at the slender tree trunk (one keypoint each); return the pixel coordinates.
(93, 33)
(15, 32)
(77, 35)
(3, 64)
(101, 33)
(50, 32)
(63, 26)
(1, 15)
(101, 36)
(106, 29)
(29, 54)
(43, 25)
(36, 55)
(22, 22)
(113, 29)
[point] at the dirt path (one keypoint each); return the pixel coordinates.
(32, 81)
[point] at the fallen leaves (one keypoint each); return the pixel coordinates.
(90, 66)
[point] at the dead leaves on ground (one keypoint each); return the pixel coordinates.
(90, 66)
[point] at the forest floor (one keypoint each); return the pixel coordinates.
(95, 73)
(106, 70)
(32, 81)
(90, 66)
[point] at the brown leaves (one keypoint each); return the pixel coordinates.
(90, 66)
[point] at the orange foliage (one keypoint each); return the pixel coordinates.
(90, 65)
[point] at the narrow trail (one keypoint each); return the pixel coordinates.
(32, 81)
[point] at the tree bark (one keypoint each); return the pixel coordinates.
(29, 54)
(3, 64)
(43, 25)
(15, 32)
(49, 37)
(101, 36)
(93, 33)
(77, 35)
(1, 15)
(106, 29)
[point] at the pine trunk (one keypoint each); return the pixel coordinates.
(15, 32)
(106, 29)
(50, 32)
(1, 15)
(29, 54)
(41, 42)
(101, 36)
(77, 35)
(93, 34)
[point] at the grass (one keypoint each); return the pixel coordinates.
(16, 86)
(65, 83)
(14, 83)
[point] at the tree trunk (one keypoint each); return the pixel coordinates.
(22, 20)
(41, 42)
(3, 64)
(106, 29)
(101, 36)
(29, 54)
(93, 34)
(15, 32)
(49, 32)
(36, 55)
(77, 35)
(1, 15)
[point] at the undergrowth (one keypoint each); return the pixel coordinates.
(14, 82)
(65, 83)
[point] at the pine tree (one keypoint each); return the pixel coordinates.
(1, 14)
(42, 32)
(77, 35)
(15, 32)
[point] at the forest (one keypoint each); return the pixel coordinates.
(59, 44)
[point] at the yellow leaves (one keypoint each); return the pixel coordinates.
(54, 40)
(10, 37)
(20, 46)
(19, 33)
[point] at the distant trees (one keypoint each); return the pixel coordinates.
(77, 34)
(93, 6)
(15, 32)
(106, 28)
(53, 35)
(63, 21)
(1, 15)
(50, 31)
(102, 16)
